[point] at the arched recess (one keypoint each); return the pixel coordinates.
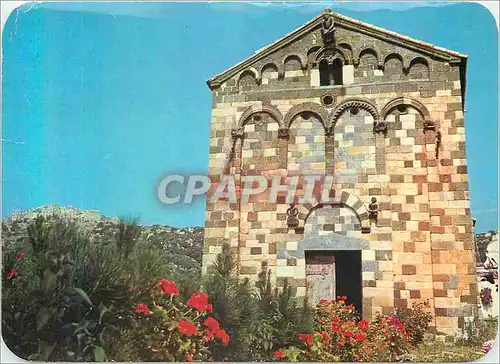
(368, 58)
(412, 111)
(394, 66)
(294, 62)
(270, 71)
(260, 143)
(306, 145)
(392, 55)
(352, 103)
(325, 219)
(418, 69)
(248, 78)
(310, 107)
(401, 101)
(409, 114)
(342, 199)
(359, 52)
(271, 110)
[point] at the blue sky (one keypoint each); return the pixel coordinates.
(101, 101)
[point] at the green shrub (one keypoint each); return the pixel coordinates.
(282, 312)
(416, 320)
(233, 303)
(260, 319)
(477, 331)
(66, 296)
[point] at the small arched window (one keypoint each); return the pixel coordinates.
(336, 71)
(330, 74)
(324, 73)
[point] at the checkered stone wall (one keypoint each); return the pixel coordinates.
(306, 146)
(332, 219)
(394, 131)
(354, 146)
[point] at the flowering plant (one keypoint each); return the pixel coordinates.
(171, 330)
(341, 336)
(486, 297)
(13, 271)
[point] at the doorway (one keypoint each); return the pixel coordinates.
(334, 273)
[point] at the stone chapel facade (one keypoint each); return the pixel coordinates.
(385, 114)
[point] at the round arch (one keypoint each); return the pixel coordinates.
(391, 105)
(353, 103)
(311, 107)
(271, 110)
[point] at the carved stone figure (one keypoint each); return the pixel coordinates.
(380, 127)
(292, 219)
(283, 132)
(373, 210)
(327, 29)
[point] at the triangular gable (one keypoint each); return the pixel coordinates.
(347, 23)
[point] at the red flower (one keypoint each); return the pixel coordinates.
(212, 324)
(349, 307)
(360, 337)
(199, 301)
(395, 321)
(325, 337)
(341, 298)
(349, 334)
(209, 307)
(12, 273)
(168, 287)
(189, 357)
(20, 256)
(307, 338)
(495, 275)
(209, 335)
(279, 354)
(323, 302)
(335, 327)
(142, 307)
(363, 325)
(187, 328)
(401, 328)
(223, 336)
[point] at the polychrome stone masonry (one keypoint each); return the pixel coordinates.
(384, 115)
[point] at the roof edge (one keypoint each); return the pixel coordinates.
(446, 54)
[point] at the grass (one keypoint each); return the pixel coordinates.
(442, 353)
(462, 350)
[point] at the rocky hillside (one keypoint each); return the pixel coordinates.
(185, 245)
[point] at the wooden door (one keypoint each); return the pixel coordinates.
(320, 277)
